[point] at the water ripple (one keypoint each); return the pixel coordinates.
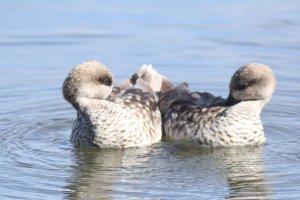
(199, 42)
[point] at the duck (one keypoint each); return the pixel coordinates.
(212, 121)
(158, 82)
(110, 117)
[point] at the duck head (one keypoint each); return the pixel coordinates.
(252, 82)
(91, 80)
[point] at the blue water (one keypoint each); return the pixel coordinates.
(201, 42)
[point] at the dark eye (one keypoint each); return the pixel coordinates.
(240, 87)
(245, 85)
(105, 80)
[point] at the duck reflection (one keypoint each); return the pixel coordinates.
(105, 174)
(167, 171)
(244, 172)
(242, 168)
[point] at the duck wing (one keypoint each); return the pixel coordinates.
(183, 97)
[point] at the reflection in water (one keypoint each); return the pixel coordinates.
(201, 42)
(105, 174)
(168, 171)
(242, 168)
(244, 171)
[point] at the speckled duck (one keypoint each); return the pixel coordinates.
(129, 118)
(213, 121)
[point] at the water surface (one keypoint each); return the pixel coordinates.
(202, 42)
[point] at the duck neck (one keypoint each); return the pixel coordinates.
(249, 108)
(247, 104)
(230, 101)
(82, 103)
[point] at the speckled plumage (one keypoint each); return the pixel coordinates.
(130, 118)
(213, 121)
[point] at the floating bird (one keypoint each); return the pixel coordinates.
(208, 120)
(127, 117)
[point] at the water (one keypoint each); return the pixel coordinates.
(202, 42)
